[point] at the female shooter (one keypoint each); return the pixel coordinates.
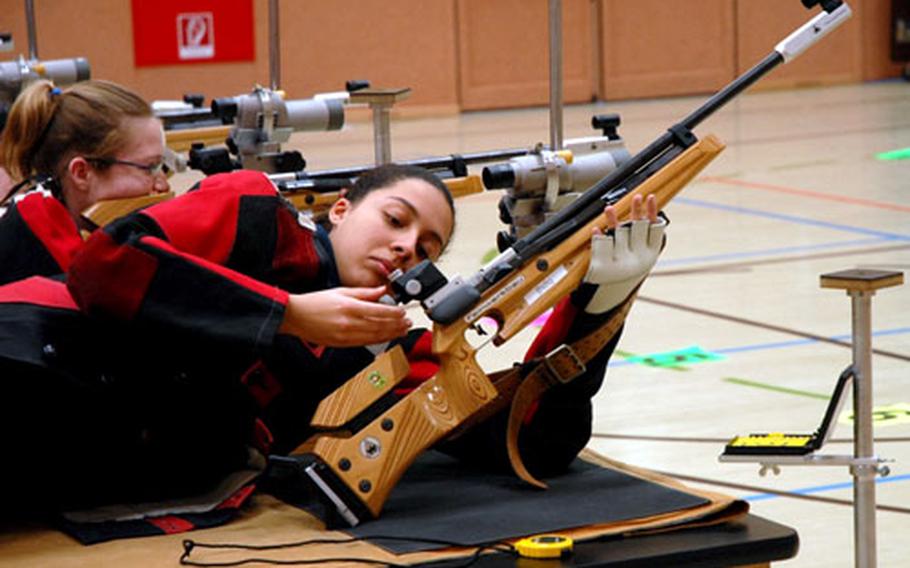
(224, 317)
(94, 140)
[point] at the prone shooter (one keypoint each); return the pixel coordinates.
(353, 469)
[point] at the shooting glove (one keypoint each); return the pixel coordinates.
(621, 260)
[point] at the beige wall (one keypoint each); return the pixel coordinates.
(504, 53)
(655, 48)
(473, 54)
(837, 59)
(101, 31)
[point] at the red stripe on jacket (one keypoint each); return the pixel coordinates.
(52, 224)
(38, 290)
(186, 224)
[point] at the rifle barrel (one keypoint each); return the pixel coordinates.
(450, 162)
(626, 177)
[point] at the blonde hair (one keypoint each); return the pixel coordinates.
(47, 126)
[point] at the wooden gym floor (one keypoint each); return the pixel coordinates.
(798, 193)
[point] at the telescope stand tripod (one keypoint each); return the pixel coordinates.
(774, 450)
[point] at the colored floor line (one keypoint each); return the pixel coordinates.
(763, 325)
(808, 193)
(766, 386)
(843, 339)
(763, 490)
(684, 439)
(792, 219)
(822, 488)
(766, 252)
(781, 260)
(826, 136)
(628, 355)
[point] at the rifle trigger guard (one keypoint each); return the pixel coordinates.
(563, 364)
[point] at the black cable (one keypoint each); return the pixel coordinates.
(47, 182)
(189, 545)
(14, 190)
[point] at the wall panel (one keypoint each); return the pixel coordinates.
(101, 30)
(504, 53)
(405, 43)
(837, 58)
(875, 37)
(474, 54)
(658, 48)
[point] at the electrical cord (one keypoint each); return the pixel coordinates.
(190, 545)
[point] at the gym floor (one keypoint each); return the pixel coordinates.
(798, 192)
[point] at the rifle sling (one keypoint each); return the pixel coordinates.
(560, 366)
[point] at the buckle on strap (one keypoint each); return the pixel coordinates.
(563, 364)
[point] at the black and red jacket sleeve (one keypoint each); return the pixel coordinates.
(38, 237)
(559, 426)
(213, 266)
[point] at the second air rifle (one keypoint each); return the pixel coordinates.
(364, 445)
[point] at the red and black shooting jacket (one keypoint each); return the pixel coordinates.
(38, 237)
(159, 362)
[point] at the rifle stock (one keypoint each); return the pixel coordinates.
(370, 462)
(316, 202)
(104, 212)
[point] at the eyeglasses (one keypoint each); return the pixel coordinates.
(151, 169)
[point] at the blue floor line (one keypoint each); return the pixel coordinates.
(796, 342)
(794, 219)
(778, 344)
(767, 252)
(821, 488)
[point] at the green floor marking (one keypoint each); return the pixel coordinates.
(902, 154)
(628, 356)
(883, 415)
(748, 383)
(675, 359)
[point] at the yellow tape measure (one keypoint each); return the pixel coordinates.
(544, 546)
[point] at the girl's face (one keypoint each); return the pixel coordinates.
(87, 181)
(144, 147)
(390, 228)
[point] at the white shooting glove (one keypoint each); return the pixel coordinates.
(622, 260)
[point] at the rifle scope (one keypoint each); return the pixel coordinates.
(16, 75)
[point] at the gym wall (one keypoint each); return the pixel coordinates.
(479, 54)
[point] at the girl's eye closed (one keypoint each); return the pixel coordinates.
(430, 250)
(393, 220)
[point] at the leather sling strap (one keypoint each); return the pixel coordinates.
(560, 366)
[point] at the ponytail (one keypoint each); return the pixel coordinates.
(47, 126)
(28, 122)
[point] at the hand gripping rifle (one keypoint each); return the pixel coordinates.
(354, 469)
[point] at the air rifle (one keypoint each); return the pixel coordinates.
(353, 469)
(313, 196)
(314, 192)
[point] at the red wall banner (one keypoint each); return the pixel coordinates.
(167, 32)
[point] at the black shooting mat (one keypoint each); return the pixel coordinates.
(440, 498)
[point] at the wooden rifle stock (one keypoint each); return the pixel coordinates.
(316, 202)
(104, 212)
(367, 464)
